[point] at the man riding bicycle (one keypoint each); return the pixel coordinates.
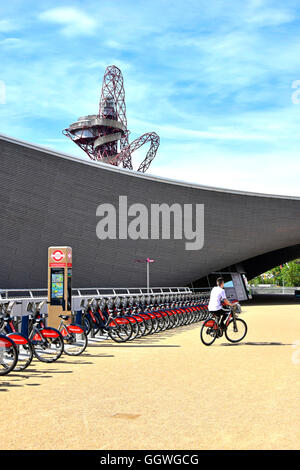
(217, 300)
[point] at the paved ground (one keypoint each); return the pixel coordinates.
(164, 392)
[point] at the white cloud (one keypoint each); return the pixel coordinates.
(12, 43)
(73, 21)
(271, 17)
(7, 26)
(260, 13)
(212, 133)
(219, 167)
(102, 64)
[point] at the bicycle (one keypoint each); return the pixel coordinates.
(148, 321)
(47, 342)
(91, 320)
(8, 355)
(154, 315)
(23, 344)
(119, 327)
(103, 318)
(235, 328)
(74, 336)
(126, 309)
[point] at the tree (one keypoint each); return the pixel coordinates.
(287, 274)
(291, 274)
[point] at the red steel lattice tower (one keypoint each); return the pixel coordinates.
(104, 137)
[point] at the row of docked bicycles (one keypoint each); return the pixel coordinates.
(118, 318)
(127, 318)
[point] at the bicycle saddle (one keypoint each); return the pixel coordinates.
(64, 317)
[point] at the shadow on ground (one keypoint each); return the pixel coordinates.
(33, 377)
(255, 343)
(150, 341)
(19, 379)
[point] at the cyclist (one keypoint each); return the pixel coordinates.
(217, 300)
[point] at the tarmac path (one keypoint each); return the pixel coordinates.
(167, 391)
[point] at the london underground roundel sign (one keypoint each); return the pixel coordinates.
(57, 255)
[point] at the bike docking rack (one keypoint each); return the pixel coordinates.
(129, 310)
(97, 314)
(24, 302)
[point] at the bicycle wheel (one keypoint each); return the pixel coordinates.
(95, 323)
(160, 321)
(24, 349)
(102, 331)
(189, 317)
(154, 322)
(236, 332)
(120, 332)
(148, 323)
(75, 340)
(8, 355)
(194, 316)
(134, 325)
(176, 319)
(171, 319)
(87, 324)
(180, 318)
(208, 333)
(125, 331)
(198, 316)
(142, 326)
(166, 321)
(48, 344)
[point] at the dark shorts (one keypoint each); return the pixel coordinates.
(219, 313)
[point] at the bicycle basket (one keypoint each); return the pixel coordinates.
(237, 308)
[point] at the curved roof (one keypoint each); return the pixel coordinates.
(148, 176)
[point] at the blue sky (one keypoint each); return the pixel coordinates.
(213, 79)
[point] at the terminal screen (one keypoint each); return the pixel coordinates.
(57, 284)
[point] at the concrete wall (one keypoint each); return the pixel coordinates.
(51, 199)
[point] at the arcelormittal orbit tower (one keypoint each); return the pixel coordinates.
(104, 136)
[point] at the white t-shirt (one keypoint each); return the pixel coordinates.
(216, 296)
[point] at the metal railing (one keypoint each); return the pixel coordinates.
(21, 298)
(273, 290)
